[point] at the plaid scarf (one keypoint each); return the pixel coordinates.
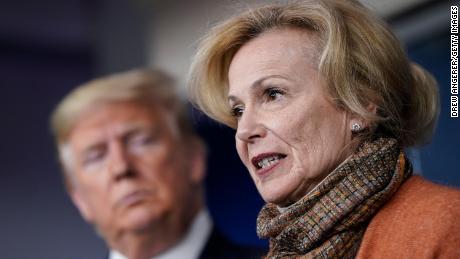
(330, 221)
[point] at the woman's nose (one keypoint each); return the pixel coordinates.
(250, 127)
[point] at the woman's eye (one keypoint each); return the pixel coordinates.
(273, 94)
(237, 111)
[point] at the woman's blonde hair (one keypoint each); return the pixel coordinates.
(360, 58)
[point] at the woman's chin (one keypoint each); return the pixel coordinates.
(282, 191)
(273, 193)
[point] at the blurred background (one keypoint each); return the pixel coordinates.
(48, 47)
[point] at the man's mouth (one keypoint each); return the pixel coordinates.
(266, 160)
(133, 198)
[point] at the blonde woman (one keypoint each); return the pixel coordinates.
(324, 100)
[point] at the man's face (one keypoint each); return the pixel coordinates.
(129, 168)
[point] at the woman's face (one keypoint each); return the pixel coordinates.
(289, 135)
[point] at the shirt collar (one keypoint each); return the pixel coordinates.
(190, 246)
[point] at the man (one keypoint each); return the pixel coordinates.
(134, 168)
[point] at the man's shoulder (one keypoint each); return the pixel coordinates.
(219, 246)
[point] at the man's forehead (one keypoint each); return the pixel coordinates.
(115, 119)
(90, 135)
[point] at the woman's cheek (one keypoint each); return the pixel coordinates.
(241, 149)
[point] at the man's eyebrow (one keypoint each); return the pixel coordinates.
(126, 131)
(133, 126)
(93, 146)
(135, 129)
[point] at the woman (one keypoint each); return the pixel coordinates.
(324, 99)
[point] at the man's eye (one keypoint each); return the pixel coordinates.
(237, 111)
(93, 156)
(273, 94)
(140, 140)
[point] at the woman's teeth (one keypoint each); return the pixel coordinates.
(268, 161)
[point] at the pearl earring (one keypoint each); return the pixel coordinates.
(355, 127)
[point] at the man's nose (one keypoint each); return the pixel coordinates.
(250, 127)
(119, 163)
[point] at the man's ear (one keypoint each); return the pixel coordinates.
(81, 204)
(197, 155)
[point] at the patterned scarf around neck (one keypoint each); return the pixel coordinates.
(330, 221)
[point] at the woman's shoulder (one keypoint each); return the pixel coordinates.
(421, 201)
(421, 220)
(425, 196)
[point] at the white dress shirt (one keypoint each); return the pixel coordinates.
(191, 245)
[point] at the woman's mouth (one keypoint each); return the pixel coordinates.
(266, 162)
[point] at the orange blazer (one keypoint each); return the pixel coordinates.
(422, 220)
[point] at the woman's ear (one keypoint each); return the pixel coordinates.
(358, 123)
(372, 108)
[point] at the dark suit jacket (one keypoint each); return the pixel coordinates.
(219, 247)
